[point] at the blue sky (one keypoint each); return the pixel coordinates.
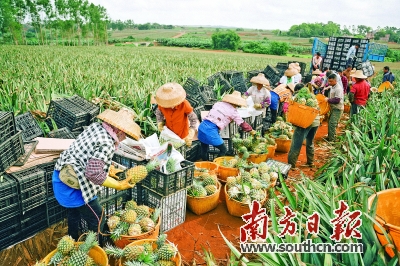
(277, 14)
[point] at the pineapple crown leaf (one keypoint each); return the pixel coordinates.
(90, 241)
(114, 251)
(161, 240)
(155, 215)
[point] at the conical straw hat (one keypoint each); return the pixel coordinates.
(235, 98)
(296, 66)
(291, 86)
(260, 79)
(170, 95)
(123, 120)
(358, 74)
(316, 72)
(290, 72)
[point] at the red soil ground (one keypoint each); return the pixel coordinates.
(202, 231)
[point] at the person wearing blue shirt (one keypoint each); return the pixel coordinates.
(351, 54)
(387, 75)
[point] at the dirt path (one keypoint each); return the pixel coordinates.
(179, 35)
(202, 231)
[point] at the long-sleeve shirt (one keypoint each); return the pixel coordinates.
(388, 77)
(222, 114)
(316, 61)
(336, 97)
(344, 83)
(351, 52)
(262, 96)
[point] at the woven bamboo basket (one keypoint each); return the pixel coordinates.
(177, 259)
(323, 104)
(96, 253)
(236, 208)
(225, 172)
(200, 205)
(347, 109)
(301, 115)
(283, 145)
(126, 240)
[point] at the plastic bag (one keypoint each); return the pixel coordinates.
(168, 135)
(161, 155)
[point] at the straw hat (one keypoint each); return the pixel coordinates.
(353, 71)
(235, 98)
(170, 95)
(291, 86)
(358, 74)
(153, 100)
(316, 72)
(290, 72)
(374, 89)
(296, 66)
(123, 120)
(260, 79)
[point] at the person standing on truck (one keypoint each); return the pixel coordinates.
(351, 54)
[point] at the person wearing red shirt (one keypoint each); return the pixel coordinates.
(359, 92)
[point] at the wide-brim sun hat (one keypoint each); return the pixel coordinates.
(316, 72)
(170, 95)
(291, 86)
(296, 66)
(123, 120)
(359, 74)
(290, 72)
(260, 79)
(353, 71)
(235, 98)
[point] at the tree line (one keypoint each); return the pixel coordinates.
(306, 30)
(129, 24)
(69, 22)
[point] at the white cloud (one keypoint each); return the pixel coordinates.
(279, 14)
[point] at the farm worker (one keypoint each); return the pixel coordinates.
(344, 80)
(387, 75)
(326, 84)
(259, 92)
(336, 105)
(288, 76)
(219, 117)
(316, 80)
(351, 54)
(175, 112)
(298, 137)
(296, 78)
(282, 93)
(82, 169)
(316, 61)
(359, 92)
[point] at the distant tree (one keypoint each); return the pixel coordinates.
(279, 48)
(239, 29)
(379, 34)
(226, 40)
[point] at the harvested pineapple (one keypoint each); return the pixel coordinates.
(138, 173)
(281, 130)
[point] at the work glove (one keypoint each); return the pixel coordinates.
(244, 96)
(246, 127)
(257, 106)
(114, 172)
(160, 126)
(118, 185)
(189, 137)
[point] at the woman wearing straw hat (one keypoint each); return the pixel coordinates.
(175, 112)
(281, 94)
(259, 92)
(296, 78)
(83, 168)
(359, 93)
(316, 80)
(287, 77)
(219, 117)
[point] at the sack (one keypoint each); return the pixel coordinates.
(69, 177)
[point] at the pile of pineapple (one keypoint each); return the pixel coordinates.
(281, 129)
(145, 254)
(254, 144)
(70, 253)
(134, 220)
(205, 184)
(252, 185)
(139, 172)
(306, 98)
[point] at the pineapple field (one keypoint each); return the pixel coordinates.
(203, 221)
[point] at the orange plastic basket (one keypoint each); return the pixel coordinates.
(323, 104)
(301, 115)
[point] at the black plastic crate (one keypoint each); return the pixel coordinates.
(239, 83)
(61, 133)
(127, 162)
(48, 169)
(91, 109)
(231, 130)
(193, 101)
(270, 71)
(10, 151)
(33, 202)
(29, 147)
(274, 80)
(228, 75)
(8, 186)
(114, 204)
(66, 114)
(228, 144)
(9, 198)
(29, 126)
(29, 178)
(138, 193)
(307, 78)
(208, 92)
(10, 232)
(191, 86)
(7, 126)
(282, 66)
(55, 212)
(193, 152)
(182, 149)
(106, 193)
(212, 155)
(34, 221)
(303, 66)
(166, 184)
(173, 207)
(198, 111)
(284, 168)
(32, 192)
(226, 87)
(253, 73)
(258, 120)
(213, 78)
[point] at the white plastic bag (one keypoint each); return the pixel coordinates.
(168, 135)
(161, 155)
